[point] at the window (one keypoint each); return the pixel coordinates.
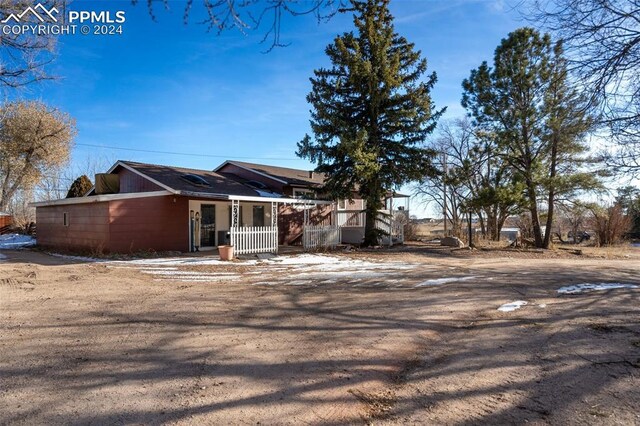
(195, 180)
(257, 185)
(65, 219)
(258, 215)
(346, 204)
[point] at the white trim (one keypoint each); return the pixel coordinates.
(249, 169)
(210, 195)
(100, 198)
(129, 195)
(278, 200)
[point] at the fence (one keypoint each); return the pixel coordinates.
(254, 239)
(314, 237)
(5, 223)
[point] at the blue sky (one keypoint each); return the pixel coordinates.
(164, 86)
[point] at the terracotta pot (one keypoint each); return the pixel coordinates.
(226, 252)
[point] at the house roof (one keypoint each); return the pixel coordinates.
(284, 174)
(170, 178)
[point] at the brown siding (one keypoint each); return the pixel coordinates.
(88, 226)
(121, 226)
(151, 223)
(290, 222)
(5, 220)
(133, 182)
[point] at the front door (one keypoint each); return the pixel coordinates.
(207, 225)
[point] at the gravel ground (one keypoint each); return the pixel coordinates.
(411, 335)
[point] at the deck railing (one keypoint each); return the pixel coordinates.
(350, 218)
(318, 237)
(254, 239)
(392, 228)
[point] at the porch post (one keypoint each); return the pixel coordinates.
(235, 211)
(334, 221)
(274, 224)
(274, 214)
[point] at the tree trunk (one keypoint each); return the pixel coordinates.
(533, 209)
(552, 192)
(371, 233)
(483, 229)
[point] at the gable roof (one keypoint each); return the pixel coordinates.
(285, 175)
(170, 178)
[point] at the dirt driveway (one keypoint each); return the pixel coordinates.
(397, 337)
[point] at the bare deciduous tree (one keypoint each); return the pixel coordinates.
(56, 182)
(34, 139)
(610, 223)
(248, 15)
(23, 56)
(472, 178)
(602, 39)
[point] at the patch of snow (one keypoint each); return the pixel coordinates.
(170, 268)
(333, 262)
(542, 305)
(80, 258)
(586, 287)
(184, 261)
(508, 307)
(187, 273)
(198, 278)
(16, 241)
(298, 282)
(439, 281)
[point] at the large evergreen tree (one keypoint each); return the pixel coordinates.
(371, 112)
(539, 120)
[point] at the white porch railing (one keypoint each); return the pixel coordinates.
(315, 237)
(254, 239)
(350, 218)
(393, 229)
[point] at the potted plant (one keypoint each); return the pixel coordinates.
(226, 252)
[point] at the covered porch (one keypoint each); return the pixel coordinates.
(260, 224)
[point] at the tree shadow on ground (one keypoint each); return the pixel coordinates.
(325, 356)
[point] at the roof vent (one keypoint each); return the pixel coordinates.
(195, 180)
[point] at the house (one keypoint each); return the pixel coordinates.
(137, 206)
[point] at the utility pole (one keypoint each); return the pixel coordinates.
(470, 231)
(444, 192)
